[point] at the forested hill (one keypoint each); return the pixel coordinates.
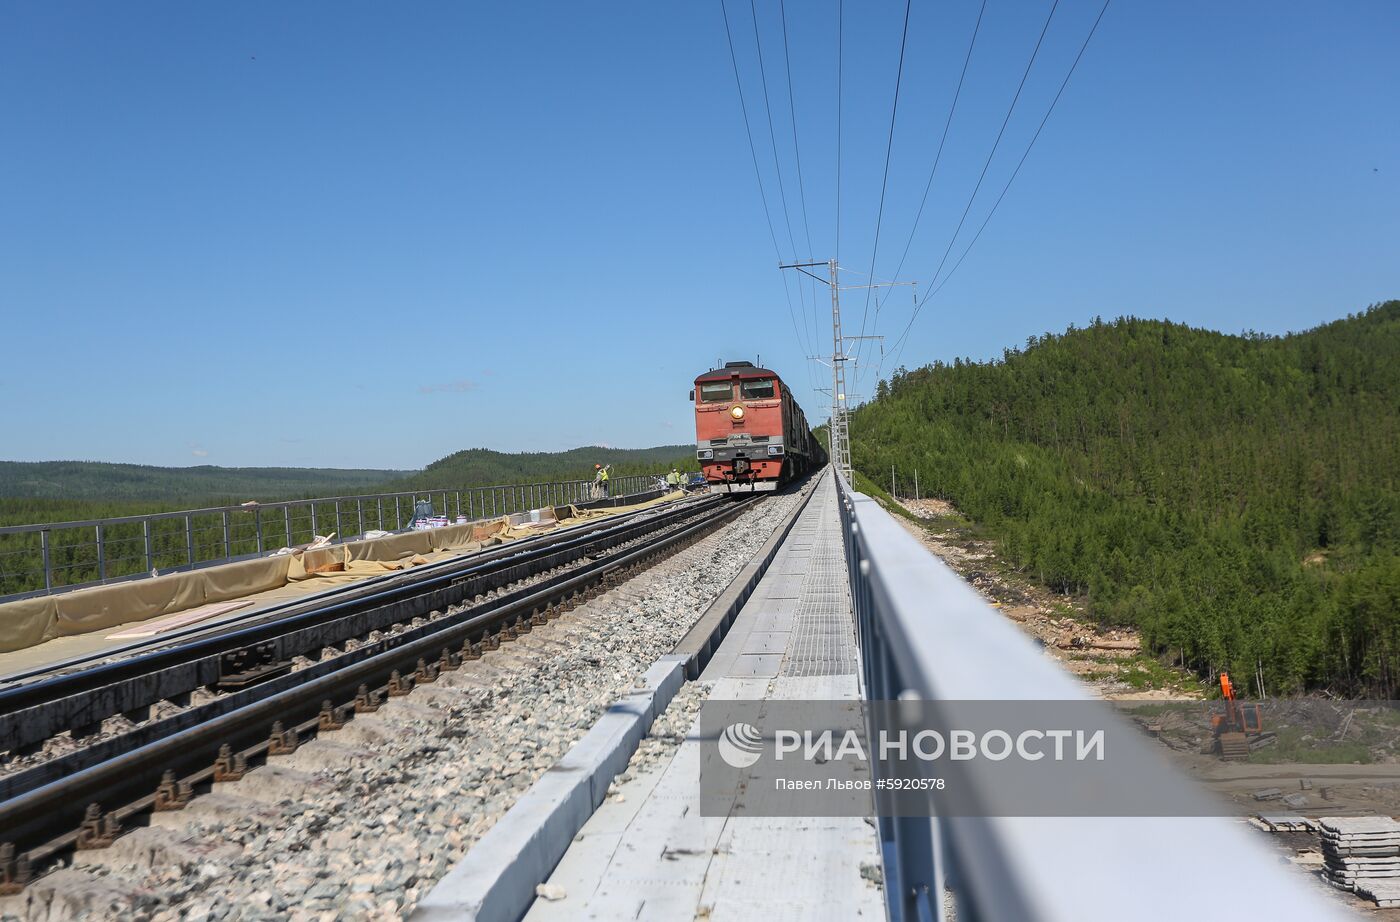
(1235, 497)
(96, 480)
(483, 466)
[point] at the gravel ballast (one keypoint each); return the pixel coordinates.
(361, 822)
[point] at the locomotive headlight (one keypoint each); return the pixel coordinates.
(737, 412)
(705, 454)
(775, 449)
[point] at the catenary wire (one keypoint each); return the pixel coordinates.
(903, 337)
(758, 174)
(884, 182)
(777, 168)
(947, 124)
(1000, 134)
(797, 156)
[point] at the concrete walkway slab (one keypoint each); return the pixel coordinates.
(652, 855)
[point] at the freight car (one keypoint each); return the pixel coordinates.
(750, 434)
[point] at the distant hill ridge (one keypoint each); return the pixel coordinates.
(483, 466)
(99, 480)
(75, 482)
(1235, 497)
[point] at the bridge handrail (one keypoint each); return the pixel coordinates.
(926, 634)
(211, 535)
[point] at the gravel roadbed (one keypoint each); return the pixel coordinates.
(360, 823)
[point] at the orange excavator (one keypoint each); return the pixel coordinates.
(1230, 732)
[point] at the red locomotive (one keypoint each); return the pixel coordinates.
(750, 434)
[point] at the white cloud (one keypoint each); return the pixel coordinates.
(199, 453)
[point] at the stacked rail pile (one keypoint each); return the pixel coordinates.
(1362, 854)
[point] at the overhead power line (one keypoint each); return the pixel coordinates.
(903, 337)
(772, 136)
(777, 167)
(797, 155)
(884, 182)
(997, 143)
(947, 124)
(758, 174)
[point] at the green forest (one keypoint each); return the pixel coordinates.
(103, 482)
(1236, 498)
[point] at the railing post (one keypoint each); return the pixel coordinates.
(379, 511)
(101, 555)
(314, 530)
(257, 526)
(146, 538)
(287, 522)
(459, 504)
(48, 562)
(360, 514)
(189, 538)
(339, 532)
(398, 514)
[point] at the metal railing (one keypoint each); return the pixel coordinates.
(925, 635)
(56, 556)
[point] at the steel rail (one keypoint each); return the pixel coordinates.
(35, 711)
(55, 715)
(372, 584)
(31, 822)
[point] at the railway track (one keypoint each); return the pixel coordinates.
(276, 681)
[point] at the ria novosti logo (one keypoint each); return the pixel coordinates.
(740, 745)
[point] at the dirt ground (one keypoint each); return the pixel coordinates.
(1112, 665)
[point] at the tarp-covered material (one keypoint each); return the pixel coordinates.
(28, 622)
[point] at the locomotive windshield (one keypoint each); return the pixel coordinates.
(716, 391)
(757, 390)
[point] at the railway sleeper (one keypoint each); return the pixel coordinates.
(15, 870)
(153, 729)
(98, 829)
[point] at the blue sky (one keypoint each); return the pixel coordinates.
(366, 235)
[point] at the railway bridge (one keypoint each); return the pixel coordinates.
(561, 712)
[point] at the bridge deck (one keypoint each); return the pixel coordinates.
(651, 854)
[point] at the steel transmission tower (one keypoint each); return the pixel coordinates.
(840, 419)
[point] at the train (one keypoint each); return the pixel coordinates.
(750, 434)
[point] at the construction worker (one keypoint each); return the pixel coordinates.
(673, 479)
(601, 478)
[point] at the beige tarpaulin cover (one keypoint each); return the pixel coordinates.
(28, 622)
